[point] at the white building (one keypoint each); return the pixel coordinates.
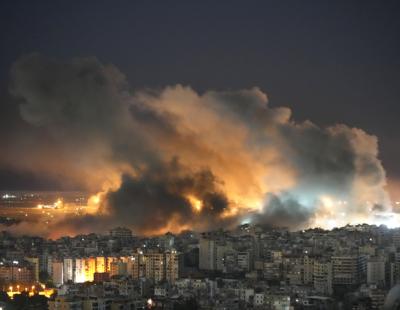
(68, 269)
(57, 273)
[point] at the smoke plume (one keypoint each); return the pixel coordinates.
(171, 159)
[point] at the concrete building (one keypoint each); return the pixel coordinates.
(121, 232)
(207, 254)
(17, 273)
(65, 303)
(171, 266)
(57, 273)
(244, 261)
(376, 271)
(396, 238)
(68, 270)
(80, 270)
(135, 266)
(119, 268)
(34, 261)
(154, 266)
(348, 270)
(212, 254)
(322, 277)
(308, 270)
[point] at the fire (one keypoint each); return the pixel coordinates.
(58, 203)
(94, 203)
(174, 225)
(196, 203)
(95, 199)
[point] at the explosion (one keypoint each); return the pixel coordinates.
(172, 159)
(197, 204)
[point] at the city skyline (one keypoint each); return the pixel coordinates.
(199, 155)
(257, 267)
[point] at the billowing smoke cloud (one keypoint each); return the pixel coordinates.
(164, 197)
(284, 211)
(171, 159)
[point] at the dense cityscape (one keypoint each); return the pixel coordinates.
(249, 267)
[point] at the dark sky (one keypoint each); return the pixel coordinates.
(329, 61)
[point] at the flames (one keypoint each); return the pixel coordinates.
(196, 203)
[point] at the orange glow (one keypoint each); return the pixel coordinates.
(174, 225)
(32, 292)
(196, 204)
(58, 203)
(95, 199)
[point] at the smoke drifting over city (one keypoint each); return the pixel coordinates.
(172, 159)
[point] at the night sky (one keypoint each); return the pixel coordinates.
(329, 61)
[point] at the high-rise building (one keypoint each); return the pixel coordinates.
(220, 251)
(154, 266)
(348, 270)
(90, 268)
(121, 232)
(57, 272)
(49, 265)
(396, 238)
(80, 270)
(135, 266)
(244, 261)
(68, 271)
(376, 271)
(109, 261)
(171, 266)
(101, 264)
(308, 270)
(119, 268)
(322, 277)
(17, 272)
(34, 261)
(207, 254)
(211, 254)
